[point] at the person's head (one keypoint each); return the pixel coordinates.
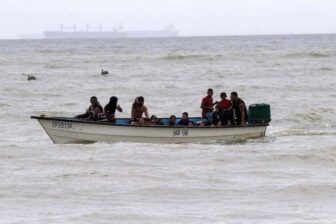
(172, 118)
(223, 95)
(154, 118)
(185, 115)
(113, 101)
(94, 100)
(234, 96)
(210, 92)
(141, 100)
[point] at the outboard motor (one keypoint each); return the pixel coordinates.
(259, 113)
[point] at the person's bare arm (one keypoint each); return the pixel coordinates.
(133, 114)
(146, 112)
(99, 110)
(119, 108)
(202, 105)
(242, 112)
(205, 107)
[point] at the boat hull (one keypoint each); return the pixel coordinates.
(64, 131)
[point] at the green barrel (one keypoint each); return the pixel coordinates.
(259, 113)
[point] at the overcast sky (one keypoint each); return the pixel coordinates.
(190, 17)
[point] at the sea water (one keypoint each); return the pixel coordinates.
(289, 176)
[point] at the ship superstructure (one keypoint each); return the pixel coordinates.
(98, 33)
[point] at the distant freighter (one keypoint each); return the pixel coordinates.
(116, 33)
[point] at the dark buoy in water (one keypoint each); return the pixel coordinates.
(104, 72)
(31, 77)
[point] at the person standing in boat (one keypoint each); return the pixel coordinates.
(239, 109)
(138, 109)
(110, 109)
(207, 106)
(94, 112)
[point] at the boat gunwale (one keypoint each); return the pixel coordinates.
(142, 126)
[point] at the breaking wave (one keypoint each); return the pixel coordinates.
(319, 121)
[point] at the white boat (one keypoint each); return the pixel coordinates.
(62, 130)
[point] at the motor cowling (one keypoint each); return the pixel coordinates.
(259, 113)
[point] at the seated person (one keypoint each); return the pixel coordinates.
(138, 109)
(216, 116)
(154, 120)
(239, 108)
(94, 112)
(111, 108)
(172, 120)
(185, 120)
(224, 112)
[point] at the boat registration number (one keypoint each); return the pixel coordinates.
(180, 132)
(62, 125)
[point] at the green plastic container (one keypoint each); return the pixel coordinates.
(259, 113)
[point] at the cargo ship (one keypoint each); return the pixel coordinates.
(98, 33)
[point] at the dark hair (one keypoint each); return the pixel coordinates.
(223, 94)
(171, 123)
(210, 90)
(93, 97)
(136, 102)
(113, 100)
(234, 93)
(112, 105)
(141, 99)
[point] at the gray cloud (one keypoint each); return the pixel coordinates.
(190, 17)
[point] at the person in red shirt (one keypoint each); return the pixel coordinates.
(207, 106)
(223, 112)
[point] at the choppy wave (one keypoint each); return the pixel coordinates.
(304, 132)
(295, 160)
(327, 69)
(190, 56)
(3, 105)
(310, 54)
(314, 116)
(311, 189)
(53, 66)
